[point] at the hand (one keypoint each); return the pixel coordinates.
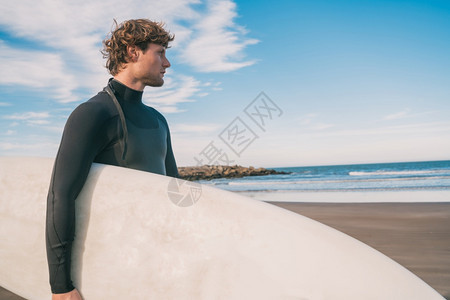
(72, 295)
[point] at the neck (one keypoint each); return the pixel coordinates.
(124, 93)
(129, 81)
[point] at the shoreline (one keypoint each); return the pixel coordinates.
(382, 196)
(413, 234)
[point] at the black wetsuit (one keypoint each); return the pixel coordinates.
(95, 132)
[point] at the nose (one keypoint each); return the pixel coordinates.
(166, 63)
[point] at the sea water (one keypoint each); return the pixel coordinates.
(384, 182)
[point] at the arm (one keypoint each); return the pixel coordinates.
(171, 165)
(73, 295)
(79, 145)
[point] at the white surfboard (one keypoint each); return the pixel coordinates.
(145, 236)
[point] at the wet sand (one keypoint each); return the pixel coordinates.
(416, 235)
(7, 295)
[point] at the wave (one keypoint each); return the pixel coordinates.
(301, 182)
(349, 190)
(427, 172)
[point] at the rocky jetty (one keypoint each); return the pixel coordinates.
(209, 172)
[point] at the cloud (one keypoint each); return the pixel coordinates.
(309, 121)
(177, 89)
(405, 114)
(398, 115)
(322, 126)
(69, 60)
(38, 122)
(36, 69)
(10, 132)
(28, 116)
(31, 118)
(5, 104)
(56, 24)
(217, 42)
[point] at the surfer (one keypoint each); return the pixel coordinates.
(114, 127)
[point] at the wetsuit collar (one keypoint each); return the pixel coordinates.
(125, 93)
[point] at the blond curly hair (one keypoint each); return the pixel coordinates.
(140, 33)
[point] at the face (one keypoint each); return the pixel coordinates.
(151, 65)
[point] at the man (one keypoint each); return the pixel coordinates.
(114, 127)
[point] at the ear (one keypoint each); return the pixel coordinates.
(133, 53)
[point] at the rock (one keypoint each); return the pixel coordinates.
(209, 172)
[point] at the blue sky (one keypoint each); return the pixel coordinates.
(343, 81)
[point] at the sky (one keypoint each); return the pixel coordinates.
(260, 83)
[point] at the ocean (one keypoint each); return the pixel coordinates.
(383, 182)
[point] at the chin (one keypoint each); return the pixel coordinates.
(155, 83)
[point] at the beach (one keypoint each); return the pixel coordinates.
(416, 235)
